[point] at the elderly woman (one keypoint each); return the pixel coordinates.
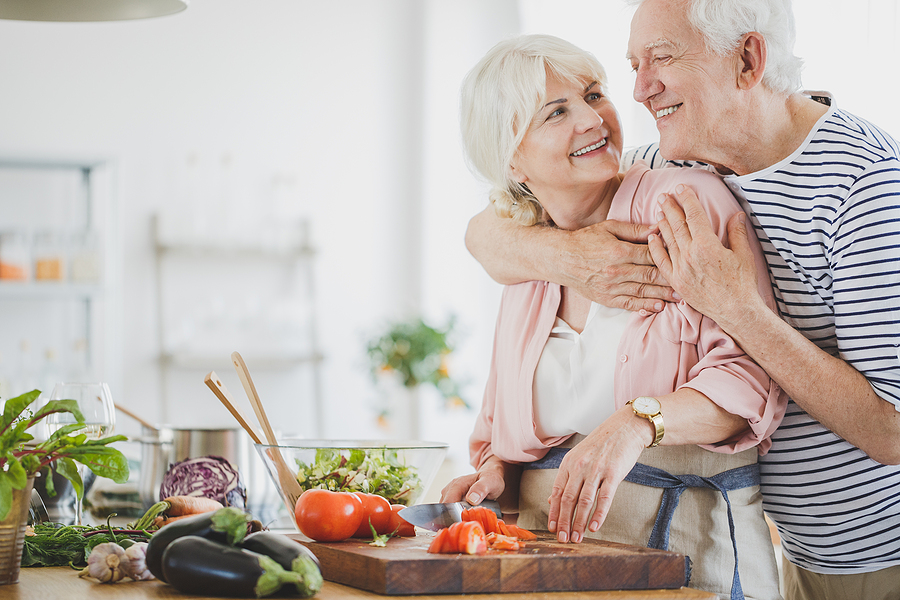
(599, 419)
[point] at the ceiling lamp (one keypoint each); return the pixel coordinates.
(88, 10)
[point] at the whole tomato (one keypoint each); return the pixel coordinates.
(327, 516)
(377, 510)
(399, 524)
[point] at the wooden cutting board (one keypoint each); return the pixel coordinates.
(403, 567)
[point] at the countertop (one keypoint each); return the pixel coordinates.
(41, 583)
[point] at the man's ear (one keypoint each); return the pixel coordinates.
(752, 60)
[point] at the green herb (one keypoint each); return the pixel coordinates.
(55, 544)
(66, 446)
(376, 471)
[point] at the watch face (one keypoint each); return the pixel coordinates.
(646, 405)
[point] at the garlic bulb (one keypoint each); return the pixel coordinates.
(106, 563)
(135, 564)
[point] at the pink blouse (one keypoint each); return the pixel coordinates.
(658, 353)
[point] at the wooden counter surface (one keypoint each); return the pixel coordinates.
(44, 583)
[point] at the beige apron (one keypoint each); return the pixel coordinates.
(700, 524)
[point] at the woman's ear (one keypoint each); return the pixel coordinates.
(517, 175)
(752, 60)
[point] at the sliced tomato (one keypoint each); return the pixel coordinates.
(503, 529)
(470, 538)
(490, 521)
(521, 533)
(497, 541)
(437, 544)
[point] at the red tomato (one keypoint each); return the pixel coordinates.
(401, 526)
(377, 511)
(470, 537)
(439, 541)
(327, 516)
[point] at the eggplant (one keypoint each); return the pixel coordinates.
(291, 555)
(196, 565)
(226, 525)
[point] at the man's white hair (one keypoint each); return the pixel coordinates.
(723, 23)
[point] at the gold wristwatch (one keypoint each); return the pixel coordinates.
(649, 408)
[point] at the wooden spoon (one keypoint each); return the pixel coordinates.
(218, 388)
(286, 479)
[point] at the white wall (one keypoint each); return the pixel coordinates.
(356, 101)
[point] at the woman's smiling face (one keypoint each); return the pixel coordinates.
(571, 151)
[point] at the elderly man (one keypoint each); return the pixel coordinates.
(821, 187)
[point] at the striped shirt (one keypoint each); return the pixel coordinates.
(828, 219)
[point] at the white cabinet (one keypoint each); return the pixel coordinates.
(252, 293)
(58, 285)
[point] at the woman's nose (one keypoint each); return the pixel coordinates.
(588, 119)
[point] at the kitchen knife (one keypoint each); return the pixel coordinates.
(437, 516)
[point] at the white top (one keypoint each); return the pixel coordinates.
(573, 384)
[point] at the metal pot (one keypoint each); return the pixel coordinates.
(163, 447)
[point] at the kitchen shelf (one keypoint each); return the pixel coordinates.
(60, 212)
(253, 293)
(264, 363)
(44, 290)
(221, 251)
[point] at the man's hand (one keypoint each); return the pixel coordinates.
(609, 262)
(717, 281)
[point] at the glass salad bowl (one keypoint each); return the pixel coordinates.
(401, 471)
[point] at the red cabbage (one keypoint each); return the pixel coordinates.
(208, 476)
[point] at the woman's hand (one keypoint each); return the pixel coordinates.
(487, 482)
(593, 470)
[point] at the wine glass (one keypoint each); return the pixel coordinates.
(96, 405)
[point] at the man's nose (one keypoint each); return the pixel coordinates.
(646, 84)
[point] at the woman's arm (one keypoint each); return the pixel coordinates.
(608, 262)
(595, 467)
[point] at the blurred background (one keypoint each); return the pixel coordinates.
(284, 178)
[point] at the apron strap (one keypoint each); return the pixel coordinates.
(673, 486)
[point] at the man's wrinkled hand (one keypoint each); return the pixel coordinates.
(610, 263)
(715, 280)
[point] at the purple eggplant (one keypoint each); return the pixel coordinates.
(196, 565)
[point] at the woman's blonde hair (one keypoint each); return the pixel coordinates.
(501, 96)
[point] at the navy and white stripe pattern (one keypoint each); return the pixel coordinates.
(828, 218)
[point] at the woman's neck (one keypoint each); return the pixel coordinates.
(579, 208)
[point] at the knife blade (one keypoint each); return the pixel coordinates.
(435, 517)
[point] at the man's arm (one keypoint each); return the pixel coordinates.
(608, 262)
(721, 283)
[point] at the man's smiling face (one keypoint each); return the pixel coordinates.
(689, 91)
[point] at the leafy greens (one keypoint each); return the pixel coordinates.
(373, 471)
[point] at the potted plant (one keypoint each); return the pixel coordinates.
(415, 353)
(21, 463)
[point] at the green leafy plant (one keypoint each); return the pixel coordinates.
(418, 353)
(65, 446)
